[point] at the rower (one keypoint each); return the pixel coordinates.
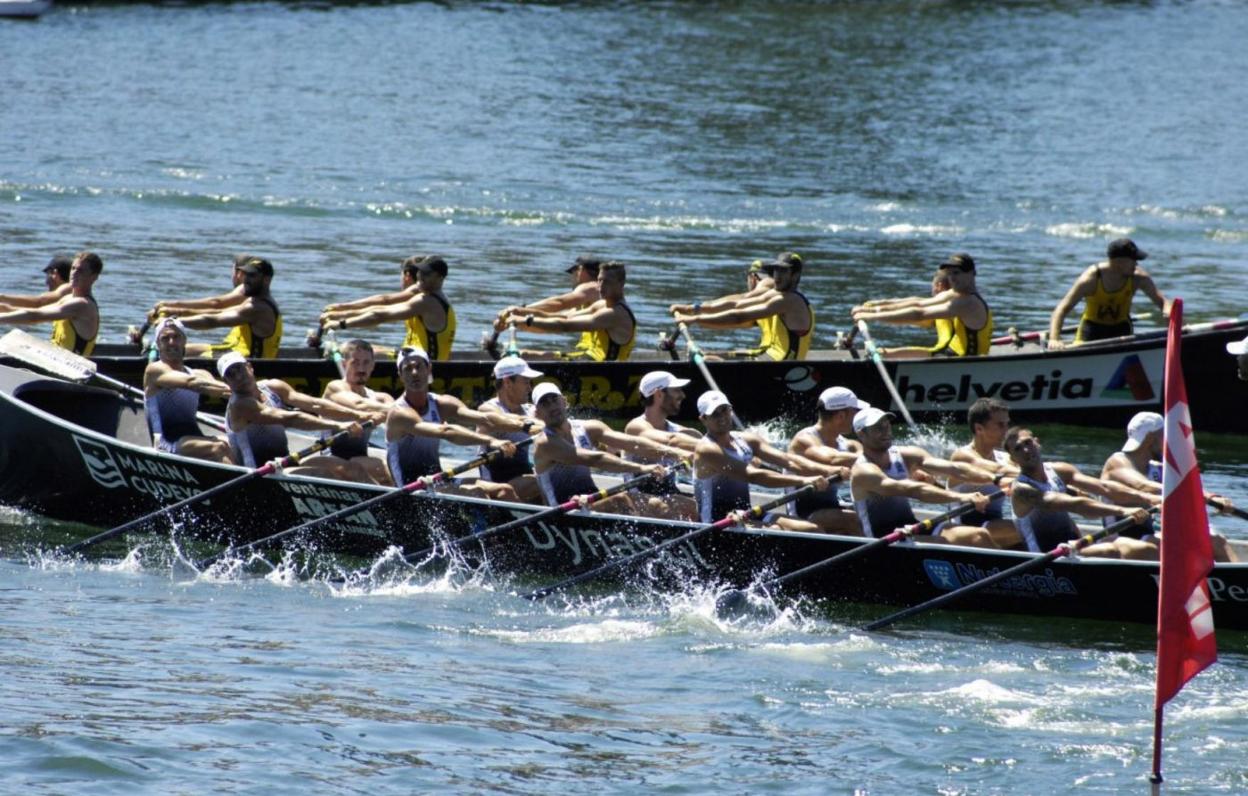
(427, 314)
(757, 283)
(1239, 350)
(662, 395)
(609, 321)
(75, 316)
(1043, 502)
(256, 320)
(583, 294)
(353, 392)
(882, 487)
(961, 305)
(988, 419)
(825, 442)
(1107, 290)
(513, 385)
(943, 327)
(724, 468)
(785, 315)
(180, 307)
(55, 277)
(409, 287)
(259, 412)
(564, 455)
(421, 419)
(1138, 466)
(171, 393)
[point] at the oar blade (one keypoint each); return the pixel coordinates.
(46, 357)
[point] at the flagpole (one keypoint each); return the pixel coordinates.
(1157, 719)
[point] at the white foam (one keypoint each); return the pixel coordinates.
(944, 230)
(1086, 230)
(606, 631)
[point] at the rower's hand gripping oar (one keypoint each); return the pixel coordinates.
(734, 601)
(67, 365)
(1063, 549)
(734, 518)
(699, 359)
(578, 502)
(667, 342)
(874, 353)
(424, 482)
(1234, 511)
(290, 460)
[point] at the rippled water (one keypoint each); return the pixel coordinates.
(686, 139)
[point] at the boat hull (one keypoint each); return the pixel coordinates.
(1099, 384)
(96, 470)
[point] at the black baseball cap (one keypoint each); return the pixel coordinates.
(61, 264)
(590, 264)
(257, 265)
(960, 261)
(1125, 247)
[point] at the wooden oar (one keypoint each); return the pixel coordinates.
(1018, 338)
(1063, 549)
(420, 483)
(67, 365)
(732, 519)
(699, 359)
(580, 501)
(733, 601)
(874, 353)
(290, 460)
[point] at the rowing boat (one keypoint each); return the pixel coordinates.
(1102, 383)
(81, 453)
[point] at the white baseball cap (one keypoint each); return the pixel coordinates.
(514, 366)
(544, 389)
(1238, 349)
(711, 400)
(657, 380)
(835, 398)
(228, 360)
(408, 353)
(1141, 426)
(865, 418)
(166, 322)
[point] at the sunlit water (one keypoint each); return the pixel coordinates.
(685, 139)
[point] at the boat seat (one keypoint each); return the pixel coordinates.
(101, 410)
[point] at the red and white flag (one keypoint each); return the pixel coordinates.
(1185, 640)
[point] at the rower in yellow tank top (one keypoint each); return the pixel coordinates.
(782, 342)
(944, 334)
(964, 341)
(603, 349)
(595, 323)
(1106, 314)
(76, 306)
(64, 335)
(251, 345)
(437, 345)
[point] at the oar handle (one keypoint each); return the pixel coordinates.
(668, 342)
(732, 519)
(293, 459)
(699, 360)
(1063, 549)
(874, 353)
(513, 348)
(1233, 510)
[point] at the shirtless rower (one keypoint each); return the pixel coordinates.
(757, 283)
(259, 412)
(421, 419)
(353, 392)
(662, 395)
(427, 315)
(1043, 502)
(55, 277)
(566, 454)
(1138, 466)
(409, 286)
(609, 322)
(256, 320)
(785, 315)
(882, 487)
(826, 442)
(961, 305)
(988, 419)
(75, 317)
(180, 307)
(513, 383)
(171, 393)
(1107, 290)
(583, 294)
(724, 468)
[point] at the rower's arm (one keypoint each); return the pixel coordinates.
(232, 316)
(769, 305)
(964, 472)
(31, 302)
(672, 439)
(801, 465)
(344, 308)
(1027, 498)
(710, 460)
(558, 451)
(338, 392)
(941, 306)
(1119, 470)
(818, 452)
(159, 376)
(580, 296)
(253, 411)
(384, 314)
(869, 478)
(1078, 291)
(631, 443)
(69, 308)
(1112, 490)
(194, 306)
(602, 318)
(452, 408)
(1145, 284)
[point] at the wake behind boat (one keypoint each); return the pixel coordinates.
(1103, 383)
(80, 453)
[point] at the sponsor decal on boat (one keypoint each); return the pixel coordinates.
(121, 470)
(1086, 381)
(586, 543)
(1219, 591)
(948, 576)
(312, 501)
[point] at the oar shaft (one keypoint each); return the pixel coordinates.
(1233, 510)
(699, 360)
(731, 519)
(1061, 550)
(874, 353)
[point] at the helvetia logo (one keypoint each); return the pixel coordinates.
(100, 463)
(1130, 380)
